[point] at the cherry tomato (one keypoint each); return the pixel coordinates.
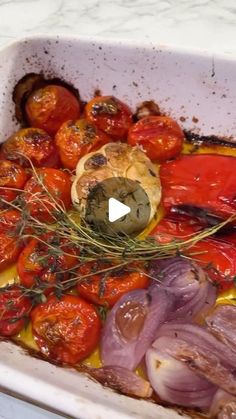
(50, 106)
(10, 243)
(110, 115)
(10, 221)
(40, 262)
(218, 258)
(14, 310)
(205, 181)
(39, 202)
(160, 137)
(11, 176)
(77, 138)
(66, 330)
(33, 143)
(106, 289)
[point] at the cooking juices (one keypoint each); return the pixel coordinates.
(149, 316)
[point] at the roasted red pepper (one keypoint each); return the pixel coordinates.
(205, 181)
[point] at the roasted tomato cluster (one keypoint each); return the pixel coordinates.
(37, 164)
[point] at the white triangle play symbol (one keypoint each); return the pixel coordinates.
(116, 210)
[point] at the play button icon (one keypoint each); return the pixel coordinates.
(118, 206)
(116, 210)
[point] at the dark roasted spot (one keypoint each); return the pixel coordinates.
(96, 161)
(109, 107)
(152, 173)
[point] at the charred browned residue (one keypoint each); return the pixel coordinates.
(97, 92)
(195, 120)
(197, 139)
(146, 108)
(96, 161)
(82, 368)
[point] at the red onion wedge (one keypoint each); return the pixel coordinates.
(200, 361)
(201, 337)
(120, 379)
(222, 323)
(131, 326)
(187, 282)
(223, 405)
(175, 383)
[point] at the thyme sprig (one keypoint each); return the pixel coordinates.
(118, 250)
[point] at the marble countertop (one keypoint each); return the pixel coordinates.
(195, 23)
(205, 24)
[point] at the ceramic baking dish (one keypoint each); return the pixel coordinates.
(197, 89)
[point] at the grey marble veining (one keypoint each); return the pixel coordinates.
(208, 24)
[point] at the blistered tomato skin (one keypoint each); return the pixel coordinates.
(77, 138)
(110, 115)
(50, 106)
(14, 310)
(36, 261)
(37, 197)
(31, 144)
(12, 176)
(66, 330)
(105, 289)
(205, 181)
(9, 220)
(10, 243)
(159, 136)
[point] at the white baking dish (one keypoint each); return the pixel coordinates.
(189, 86)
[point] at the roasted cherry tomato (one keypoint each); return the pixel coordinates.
(205, 181)
(50, 106)
(15, 308)
(10, 243)
(77, 138)
(46, 260)
(218, 258)
(110, 115)
(160, 137)
(66, 330)
(12, 176)
(10, 221)
(33, 143)
(106, 288)
(40, 199)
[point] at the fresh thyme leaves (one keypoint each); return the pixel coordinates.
(102, 311)
(118, 250)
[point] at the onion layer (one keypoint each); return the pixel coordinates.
(131, 326)
(222, 323)
(199, 336)
(174, 382)
(223, 405)
(120, 379)
(187, 282)
(202, 362)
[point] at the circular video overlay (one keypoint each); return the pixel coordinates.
(118, 206)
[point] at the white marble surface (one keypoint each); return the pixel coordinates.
(207, 24)
(196, 23)
(11, 408)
